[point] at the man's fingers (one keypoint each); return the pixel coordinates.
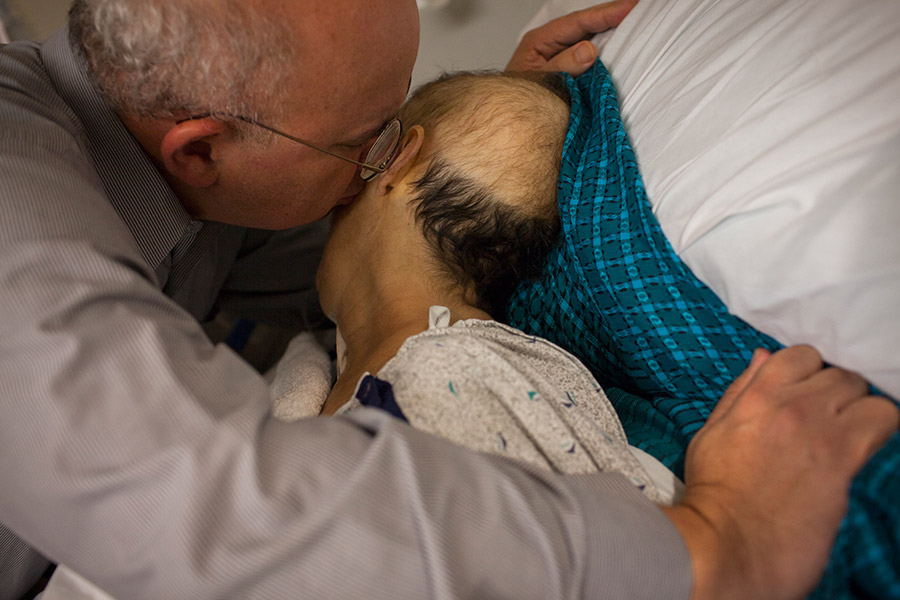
(835, 388)
(791, 365)
(559, 34)
(872, 420)
(552, 45)
(739, 385)
(574, 61)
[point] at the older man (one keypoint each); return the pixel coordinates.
(137, 151)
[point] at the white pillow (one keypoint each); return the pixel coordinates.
(768, 135)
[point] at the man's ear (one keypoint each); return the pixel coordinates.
(410, 147)
(187, 150)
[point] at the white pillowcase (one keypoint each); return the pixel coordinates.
(768, 135)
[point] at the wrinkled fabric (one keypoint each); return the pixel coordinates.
(615, 294)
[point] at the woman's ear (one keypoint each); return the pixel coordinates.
(410, 147)
(187, 150)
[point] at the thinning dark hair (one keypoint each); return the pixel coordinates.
(484, 243)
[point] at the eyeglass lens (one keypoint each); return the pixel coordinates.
(383, 149)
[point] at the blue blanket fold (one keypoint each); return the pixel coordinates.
(616, 294)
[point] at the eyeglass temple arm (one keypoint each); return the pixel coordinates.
(376, 168)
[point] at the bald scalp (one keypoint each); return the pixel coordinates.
(503, 131)
(359, 46)
(265, 59)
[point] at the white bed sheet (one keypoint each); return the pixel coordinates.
(768, 135)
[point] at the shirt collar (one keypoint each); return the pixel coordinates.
(135, 187)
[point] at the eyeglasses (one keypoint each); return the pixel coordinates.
(377, 160)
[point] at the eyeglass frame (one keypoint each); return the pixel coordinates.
(374, 169)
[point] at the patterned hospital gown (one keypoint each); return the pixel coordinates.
(492, 388)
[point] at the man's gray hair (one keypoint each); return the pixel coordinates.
(176, 58)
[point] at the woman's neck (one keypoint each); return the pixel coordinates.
(379, 313)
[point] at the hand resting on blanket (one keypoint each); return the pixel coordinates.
(767, 477)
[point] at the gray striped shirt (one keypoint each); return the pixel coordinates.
(138, 453)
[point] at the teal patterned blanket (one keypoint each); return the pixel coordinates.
(661, 342)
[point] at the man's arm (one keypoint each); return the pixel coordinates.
(563, 44)
(143, 457)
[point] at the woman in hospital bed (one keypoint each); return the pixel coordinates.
(418, 267)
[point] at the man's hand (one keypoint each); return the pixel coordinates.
(562, 44)
(768, 476)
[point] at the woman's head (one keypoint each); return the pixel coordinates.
(487, 199)
(476, 178)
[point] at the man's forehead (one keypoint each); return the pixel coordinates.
(357, 69)
(386, 116)
(348, 25)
